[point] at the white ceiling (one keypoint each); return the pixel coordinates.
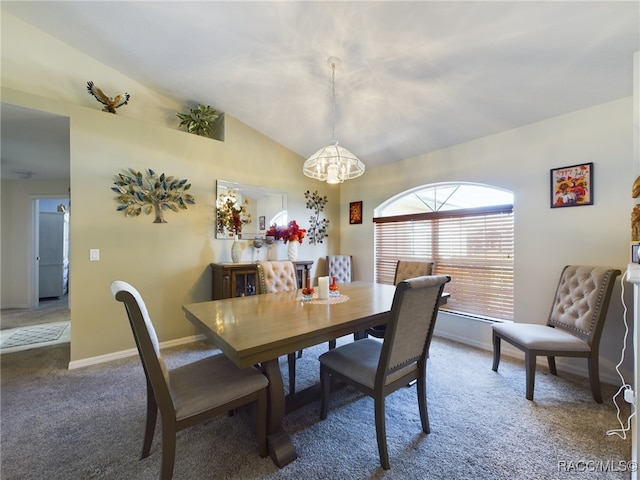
(415, 76)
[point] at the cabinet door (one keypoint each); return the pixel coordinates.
(243, 282)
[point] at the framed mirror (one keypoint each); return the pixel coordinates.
(247, 210)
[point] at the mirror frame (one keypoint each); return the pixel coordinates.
(273, 208)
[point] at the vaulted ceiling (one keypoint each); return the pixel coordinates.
(414, 76)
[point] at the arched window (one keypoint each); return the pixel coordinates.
(466, 229)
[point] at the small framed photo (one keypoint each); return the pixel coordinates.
(355, 213)
(261, 223)
(572, 186)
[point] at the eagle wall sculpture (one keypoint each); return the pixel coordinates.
(110, 104)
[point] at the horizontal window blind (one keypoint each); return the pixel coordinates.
(473, 246)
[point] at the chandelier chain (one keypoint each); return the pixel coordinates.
(333, 97)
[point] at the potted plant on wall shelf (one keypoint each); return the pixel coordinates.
(199, 120)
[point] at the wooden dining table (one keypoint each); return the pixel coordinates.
(256, 330)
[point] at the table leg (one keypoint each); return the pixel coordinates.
(281, 448)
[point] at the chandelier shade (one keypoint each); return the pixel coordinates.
(333, 163)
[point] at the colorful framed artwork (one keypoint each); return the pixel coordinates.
(355, 213)
(261, 223)
(572, 186)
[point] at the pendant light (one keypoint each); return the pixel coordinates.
(333, 163)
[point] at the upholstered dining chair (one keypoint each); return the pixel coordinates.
(573, 329)
(405, 269)
(379, 368)
(191, 393)
(280, 276)
(341, 267)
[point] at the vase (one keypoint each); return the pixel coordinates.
(292, 251)
(236, 251)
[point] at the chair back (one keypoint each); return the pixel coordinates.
(582, 300)
(341, 267)
(277, 276)
(411, 269)
(146, 339)
(411, 323)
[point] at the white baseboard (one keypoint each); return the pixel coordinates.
(86, 362)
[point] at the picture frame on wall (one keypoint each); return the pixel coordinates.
(355, 213)
(572, 186)
(261, 223)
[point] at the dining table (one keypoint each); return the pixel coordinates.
(258, 329)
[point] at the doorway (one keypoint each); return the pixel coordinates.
(47, 320)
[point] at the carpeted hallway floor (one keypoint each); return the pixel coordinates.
(28, 328)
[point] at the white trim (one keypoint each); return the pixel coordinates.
(86, 362)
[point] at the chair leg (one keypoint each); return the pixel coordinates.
(291, 360)
(594, 377)
(530, 366)
(360, 335)
(496, 352)
(422, 401)
(381, 432)
(168, 449)
(325, 384)
(552, 365)
(152, 416)
(332, 344)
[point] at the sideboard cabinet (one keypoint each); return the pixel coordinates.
(240, 279)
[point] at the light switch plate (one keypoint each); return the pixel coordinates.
(94, 254)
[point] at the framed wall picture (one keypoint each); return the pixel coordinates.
(261, 223)
(355, 213)
(572, 186)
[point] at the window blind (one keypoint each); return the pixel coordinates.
(473, 246)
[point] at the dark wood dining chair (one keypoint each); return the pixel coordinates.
(191, 393)
(405, 269)
(573, 329)
(380, 368)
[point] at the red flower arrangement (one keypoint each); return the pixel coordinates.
(291, 233)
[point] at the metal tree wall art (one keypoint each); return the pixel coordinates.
(138, 193)
(317, 227)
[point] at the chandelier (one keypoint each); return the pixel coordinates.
(333, 163)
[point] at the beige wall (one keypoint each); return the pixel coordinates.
(545, 239)
(168, 263)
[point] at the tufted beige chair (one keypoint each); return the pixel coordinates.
(277, 276)
(341, 267)
(280, 276)
(573, 329)
(405, 269)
